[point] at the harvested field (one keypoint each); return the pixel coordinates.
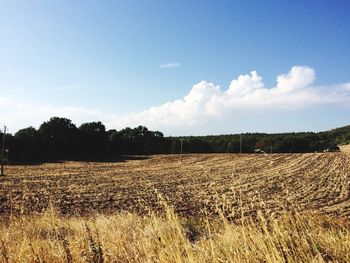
(235, 184)
(345, 148)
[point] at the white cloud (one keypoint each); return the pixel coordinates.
(205, 104)
(206, 101)
(299, 77)
(170, 65)
(346, 86)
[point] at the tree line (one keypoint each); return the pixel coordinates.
(60, 139)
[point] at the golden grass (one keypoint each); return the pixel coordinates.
(127, 237)
(205, 208)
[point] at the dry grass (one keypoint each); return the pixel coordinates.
(128, 237)
(205, 208)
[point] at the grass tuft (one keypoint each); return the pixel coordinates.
(128, 237)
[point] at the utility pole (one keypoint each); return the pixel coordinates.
(182, 142)
(3, 152)
(271, 149)
(240, 143)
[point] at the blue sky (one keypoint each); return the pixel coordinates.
(135, 62)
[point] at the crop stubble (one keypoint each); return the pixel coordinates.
(200, 183)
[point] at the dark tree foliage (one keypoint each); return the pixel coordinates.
(59, 139)
(115, 141)
(93, 141)
(196, 145)
(142, 141)
(28, 144)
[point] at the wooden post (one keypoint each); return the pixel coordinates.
(3, 151)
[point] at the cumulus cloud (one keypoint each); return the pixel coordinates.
(170, 65)
(206, 101)
(205, 104)
(346, 86)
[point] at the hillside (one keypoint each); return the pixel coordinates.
(340, 135)
(293, 142)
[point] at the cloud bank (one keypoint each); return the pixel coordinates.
(205, 104)
(206, 101)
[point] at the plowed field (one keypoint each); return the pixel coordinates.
(235, 184)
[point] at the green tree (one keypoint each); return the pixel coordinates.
(59, 138)
(28, 144)
(93, 140)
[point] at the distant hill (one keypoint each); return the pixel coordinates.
(275, 142)
(341, 135)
